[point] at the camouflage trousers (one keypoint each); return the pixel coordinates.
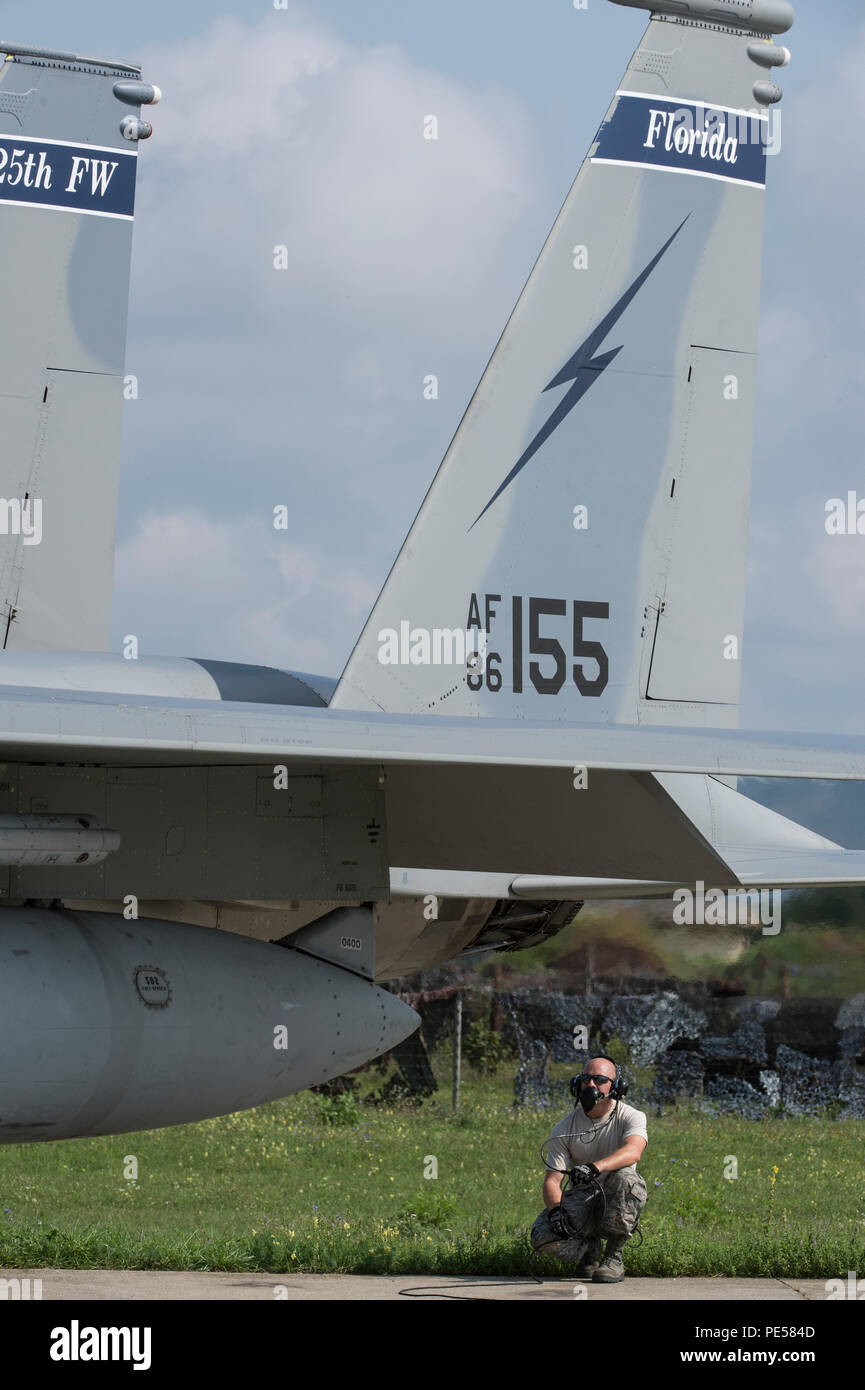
(625, 1194)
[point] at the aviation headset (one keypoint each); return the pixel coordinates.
(618, 1090)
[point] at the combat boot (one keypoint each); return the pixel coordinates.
(611, 1270)
(591, 1259)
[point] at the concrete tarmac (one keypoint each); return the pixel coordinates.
(98, 1285)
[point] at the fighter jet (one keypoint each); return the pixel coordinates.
(209, 871)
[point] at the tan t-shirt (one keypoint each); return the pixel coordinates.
(579, 1139)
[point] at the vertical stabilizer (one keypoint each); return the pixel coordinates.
(67, 189)
(585, 536)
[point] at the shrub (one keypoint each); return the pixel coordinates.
(483, 1049)
(429, 1207)
(343, 1109)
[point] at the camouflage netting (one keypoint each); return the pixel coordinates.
(678, 1074)
(747, 1044)
(756, 1010)
(742, 1055)
(745, 1065)
(532, 1016)
(852, 1045)
(852, 1013)
(728, 1093)
(850, 1021)
(806, 1084)
(770, 1082)
(851, 1090)
(650, 1024)
(531, 1083)
(541, 1026)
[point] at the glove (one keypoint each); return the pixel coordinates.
(586, 1173)
(559, 1223)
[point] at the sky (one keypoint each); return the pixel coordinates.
(260, 388)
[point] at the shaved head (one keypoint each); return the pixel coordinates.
(603, 1066)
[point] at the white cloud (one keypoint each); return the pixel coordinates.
(191, 586)
(280, 133)
(304, 386)
(806, 588)
(837, 566)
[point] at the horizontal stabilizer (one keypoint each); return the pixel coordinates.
(793, 869)
(752, 869)
(38, 724)
(486, 797)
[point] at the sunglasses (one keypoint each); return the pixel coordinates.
(599, 1080)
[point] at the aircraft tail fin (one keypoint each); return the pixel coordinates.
(581, 553)
(68, 136)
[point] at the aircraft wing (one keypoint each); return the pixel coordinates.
(60, 726)
(752, 869)
(479, 799)
(808, 869)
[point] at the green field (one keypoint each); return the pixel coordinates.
(309, 1184)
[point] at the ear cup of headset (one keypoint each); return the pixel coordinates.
(618, 1090)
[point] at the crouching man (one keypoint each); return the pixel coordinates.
(598, 1147)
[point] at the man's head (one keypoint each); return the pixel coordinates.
(593, 1086)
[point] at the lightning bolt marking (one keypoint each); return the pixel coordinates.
(583, 369)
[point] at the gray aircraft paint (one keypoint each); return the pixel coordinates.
(176, 677)
(47, 726)
(109, 1025)
(765, 16)
(605, 391)
(453, 797)
(653, 421)
(66, 257)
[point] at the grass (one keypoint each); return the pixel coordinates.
(303, 1185)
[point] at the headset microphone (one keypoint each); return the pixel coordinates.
(590, 1095)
